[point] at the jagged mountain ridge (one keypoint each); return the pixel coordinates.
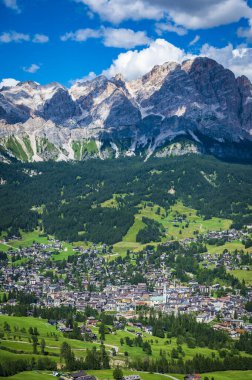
(198, 101)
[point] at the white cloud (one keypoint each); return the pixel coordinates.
(8, 82)
(195, 40)
(112, 37)
(40, 38)
(7, 37)
(134, 63)
(12, 4)
(117, 11)
(168, 27)
(13, 36)
(203, 14)
(81, 35)
(239, 59)
(31, 69)
(124, 38)
(193, 14)
(91, 75)
(246, 32)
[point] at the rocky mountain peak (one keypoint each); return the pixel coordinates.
(28, 84)
(162, 70)
(198, 98)
(199, 64)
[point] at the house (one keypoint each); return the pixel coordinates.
(192, 377)
(82, 375)
(75, 376)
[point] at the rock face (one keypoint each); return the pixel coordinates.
(60, 107)
(198, 100)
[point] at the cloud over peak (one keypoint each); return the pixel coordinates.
(8, 82)
(135, 63)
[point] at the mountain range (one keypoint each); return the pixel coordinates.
(194, 107)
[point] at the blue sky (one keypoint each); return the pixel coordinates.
(65, 40)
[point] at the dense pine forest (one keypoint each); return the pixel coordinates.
(65, 199)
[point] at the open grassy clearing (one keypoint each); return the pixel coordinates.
(100, 375)
(114, 201)
(230, 246)
(31, 375)
(53, 344)
(157, 345)
(28, 238)
(19, 340)
(108, 374)
(245, 275)
(5, 247)
(25, 322)
(9, 356)
(229, 375)
(225, 375)
(174, 229)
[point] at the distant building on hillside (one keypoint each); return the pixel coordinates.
(82, 376)
(196, 376)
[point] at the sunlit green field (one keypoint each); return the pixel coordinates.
(229, 375)
(230, 246)
(245, 275)
(31, 375)
(20, 340)
(157, 344)
(225, 375)
(108, 375)
(173, 230)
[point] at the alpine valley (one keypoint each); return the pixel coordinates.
(126, 227)
(194, 107)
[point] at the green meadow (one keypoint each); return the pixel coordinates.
(174, 230)
(31, 375)
(230, 246)
(19, 339)
(108, 375)
(245, 275)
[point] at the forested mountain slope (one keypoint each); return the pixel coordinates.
(69, 199)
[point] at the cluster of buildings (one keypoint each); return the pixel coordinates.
(231, 261)
(90, 280)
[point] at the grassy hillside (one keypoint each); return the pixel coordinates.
(174, 230)
(77, 197)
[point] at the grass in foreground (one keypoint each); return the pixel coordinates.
(31, 375)
(108, 375)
